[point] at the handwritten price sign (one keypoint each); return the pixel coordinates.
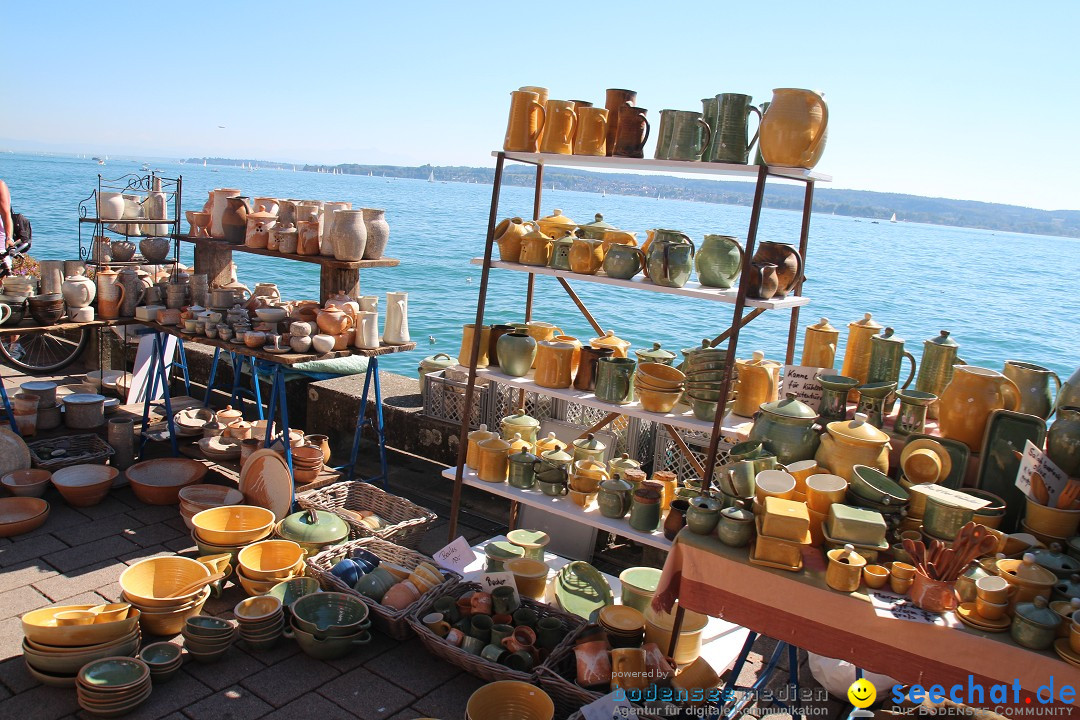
(1035, 460)
(803, 381)
(456, 556)
(899, 607)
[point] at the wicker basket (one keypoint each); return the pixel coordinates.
(393, 622)
(78, 450)
(407, 521)
(475, 664)
(567, 694)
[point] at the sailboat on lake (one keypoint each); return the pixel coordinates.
(893, 218)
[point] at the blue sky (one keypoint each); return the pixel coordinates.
(960, 99)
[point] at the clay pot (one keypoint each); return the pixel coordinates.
(788, 264)
(378, 233)
(348, 236)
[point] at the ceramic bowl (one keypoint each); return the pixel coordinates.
(170, 621)
(161, 655)
(328, 648)
(401, 595)
(40, 626)
(329, 614)
(510, 699)
(271, 314)
(207, 657)
(233, 525)
(270, 559)
(210, 549)
(657, 401)
(873, 485)
(1052, 522)
(159, 481)
(290, 591)
(261, 587)
(204, 497)
(84, 485)
(20, 515)
(208, 627)
(195, 643)
(27, 483)
(258, 609)
(114, 674)
(661, 376)
(148, 582)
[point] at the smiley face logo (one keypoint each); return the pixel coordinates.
(862, 693)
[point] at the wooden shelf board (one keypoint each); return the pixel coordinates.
(663, 166)
(314, 259)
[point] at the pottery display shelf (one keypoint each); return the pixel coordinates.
(661, 166)
(709, 577)
(29, 326)
(691, 289)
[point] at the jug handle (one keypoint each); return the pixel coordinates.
(644, 267)
(5, 313)
(693, 248)
(708, 135)
(1011, 393)
(569, 137)
(911, 375)
(648, 129)
(121, 300)
(812, 150)
(760, 117)
(540, 126)
(1052, 374)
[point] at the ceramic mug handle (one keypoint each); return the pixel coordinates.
(569, 138)
(5, 313)
(1011, 393)
(1053, 374)
(755, 109)
(533, 139)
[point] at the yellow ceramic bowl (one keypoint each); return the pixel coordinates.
(257, 609)
(112, 611)
(270, 559)
(261, 587)
(148, 583)
(657, 402)
(70, 663)
(1052, 522)
(663, 376)
(233, 525)
(39, 626)
(510, 699)
(171, 621)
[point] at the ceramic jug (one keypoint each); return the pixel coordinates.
(526, 122)
(560, 253)
(788, 264)
(134, 291)
(553, 364)
(396, 330)
(690, 136)
(348, 235)
(857, 352)
(367, 330)
(509, 235)
(670, 258)
(79, 291)
(535, 248)
(759, 381)
(516, 352)
(795, 128)
(819, 346)
(234, 219)
(762, 282)
(614, 380)
(559, 127)
(1063, 441)
(719, 261)
(1069, 394)
(623, 262)
(663, 135)
(540, 330)
(967, 402)
(109, 293)
(631, 132)
(218, 206)
(731, 127)
(936, 366)
(614, 99)
(1034, 383)
(886, 357)
(585, 378)
(307, 235)
(586, 255)
(468, 336)
(592, 131)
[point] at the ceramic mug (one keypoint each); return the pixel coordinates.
(505, 599)
(990, 610)
(549, 632)
(448, 607)
(472, 645)
(481, 603)
(592, 131)
(526, 617)
(437, 624)
(994, 589)
(523, 638)
(493, 653)
(499, 632)
(480, 627)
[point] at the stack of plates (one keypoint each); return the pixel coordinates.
(262, 621)
(624, 625)
(189, 423)
(113, 686)
(207, 638)
(580, 589)
(55, 653)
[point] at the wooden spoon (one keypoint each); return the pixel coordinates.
(917, 551)
(196, 585)
(1038, 488)
(1069, 495)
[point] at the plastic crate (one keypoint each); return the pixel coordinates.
(444, 398)
(667, 456)
(634, 436)
(506, 400)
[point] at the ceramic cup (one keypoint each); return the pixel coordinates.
(990, 610)
(994, 589)
(447, 606)
(472, 645)
(480, 627)
(75, 617)
(437, 624)
(526, 617)
(549, 632)
(493, 653)
(505, 599)
(901, 576)
(499, 632)
(875, 576)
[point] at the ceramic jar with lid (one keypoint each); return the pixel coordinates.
(472, 454)
(560, 253)
(703, 514)
(549, 442)
(645, 509)
(786, 429)
(736, 526)
(535, 248)
(819, 346)
(1056, 561)
(618, 466)
(313, 529)
(1068, 590)
(493, 458)
(617, 345)
(1035, 625)
(430, 364)
(557, 458)
(508, 235)
(531, 542)
(610, 235)
(845, 569)
(655, 354)
(848, 443)
(556, 225)
(589, 447)
(614, 498)
(521, 470)
(1030, 579)
(520, 424)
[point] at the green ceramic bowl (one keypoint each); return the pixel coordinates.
(703, 409)
(160, 655)
(329, 614)
(290, 591)
(205, 626)
(114, 673)
(873, 485)
(329, 648)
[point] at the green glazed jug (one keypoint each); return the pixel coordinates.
(614, 380)
(887, 355)
(663, 140)
(731, 129)
(623, 261)
(719, 261)
(936, 366)
(670, 258)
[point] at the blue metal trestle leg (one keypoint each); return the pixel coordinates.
(238, 390)
(279, 403)
(7, 407)
(371, 378)
(180, 361)
(754, 692)
(157, 373)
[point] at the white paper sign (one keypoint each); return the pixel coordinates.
(455, 556)
(900, 607)
(803, 381)
(606, 708)
(1035, 460)
(490, 581)
(954, 497)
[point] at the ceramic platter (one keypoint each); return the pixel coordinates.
(266, 481)
(276, 351)
(1006, 432)
(959, 453)
(1066, 653)
(968, 615)
(220, 448)
(580, 589)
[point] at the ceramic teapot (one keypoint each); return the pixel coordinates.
(936, 366)
(886, 357)
(78, 290)
(794, 130)
(786, 429)
(334, 321)
(509, 235)
(759, 381)
(555, 225)
(535, 248)
(607, 233)
(670, 258)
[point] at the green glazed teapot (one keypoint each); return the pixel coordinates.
(670, 258)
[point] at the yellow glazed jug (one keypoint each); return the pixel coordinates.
(759, 382)
(819, 347)
(559, 128)
(794, 128)
(586, 256)
(493, 459)
(539, 331)
(465, 353)
(553, 364)
(509, 235)
(852, 442)
(526, 122)
(857, 352)
(967, 402)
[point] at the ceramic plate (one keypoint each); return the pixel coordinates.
(581, 590)
(929, 444)
(1006, 431)
(266, 481)
(219, 448)
(967, 614)
(276, 351)
(959, 453)
(1065, 652)
(621, 618)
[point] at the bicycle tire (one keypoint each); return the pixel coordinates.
(45, 351)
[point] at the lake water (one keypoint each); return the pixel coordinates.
(1002, 295)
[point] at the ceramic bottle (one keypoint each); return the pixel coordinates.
(348, 235)
(396, 330)
(719, 261)
(326, 236)
(819, 346)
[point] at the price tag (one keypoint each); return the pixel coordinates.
(898, 607)
(954, 497)
(1035, 460)
(607, 708)
(490, 581)
(803, 381)
(455, 556)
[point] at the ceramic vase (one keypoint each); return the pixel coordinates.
(217, 208)
(378, 233)
(348, 235)
(396, 330)
(110, 206)
(326, 237)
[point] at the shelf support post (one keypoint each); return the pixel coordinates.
(804, 236)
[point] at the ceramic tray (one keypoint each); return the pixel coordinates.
(775, 565)
(1005, 434)
(581, 589)
(959, 453)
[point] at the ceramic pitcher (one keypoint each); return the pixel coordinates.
(690, 135)
(670, 258)
(795, 128)
(559, 127)
(663, 135)
(109, 293)
(759, 382)
(857, 353)
(614, 379)
(553, 364)
(631, 132)
(761, 281)
(788, 264)
(592, 131)
(134, 291)
(614, 99)
(967, 402)
(887, 355)
(936, 366)
(623, 261)
(585, 378)
(731, 128)
(819, 346)
(719, 261)
(526, 122)
(367, 331)
(396, 330)
(1034, 383)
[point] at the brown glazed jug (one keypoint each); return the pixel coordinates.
(788, 264)
(234, 220)
(585, 379)
(631, 132)
(762, 281)
(614, 100)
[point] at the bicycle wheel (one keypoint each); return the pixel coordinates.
(46, 351)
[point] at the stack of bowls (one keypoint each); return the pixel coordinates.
(150, 584)
(425, 577)
(55, 651)
(229, 528)
(207, 638)
(159, 481)
(84, 485)
(290, 591)
(704, 376)
(658, 386)
(264, 564)
(262, 621)
(196, 498)
(624, 625)
(329, 625)
(113, 686)
(47, 309)
(307, 463)
(164, 660)
(27, 483)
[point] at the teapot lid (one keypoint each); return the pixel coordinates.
(590, 442)
(1038, 612)
(866, 322)
(557, 455)
(520, 419)
(857, 429)
(656, 353)
(790, 407)
(943, 340)
(609, 340)
(624, 462)
(738, 512)
(823, 326)
(887, 335)
(523, 455)
(597, 224)
(557, 219)
(535, 234)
